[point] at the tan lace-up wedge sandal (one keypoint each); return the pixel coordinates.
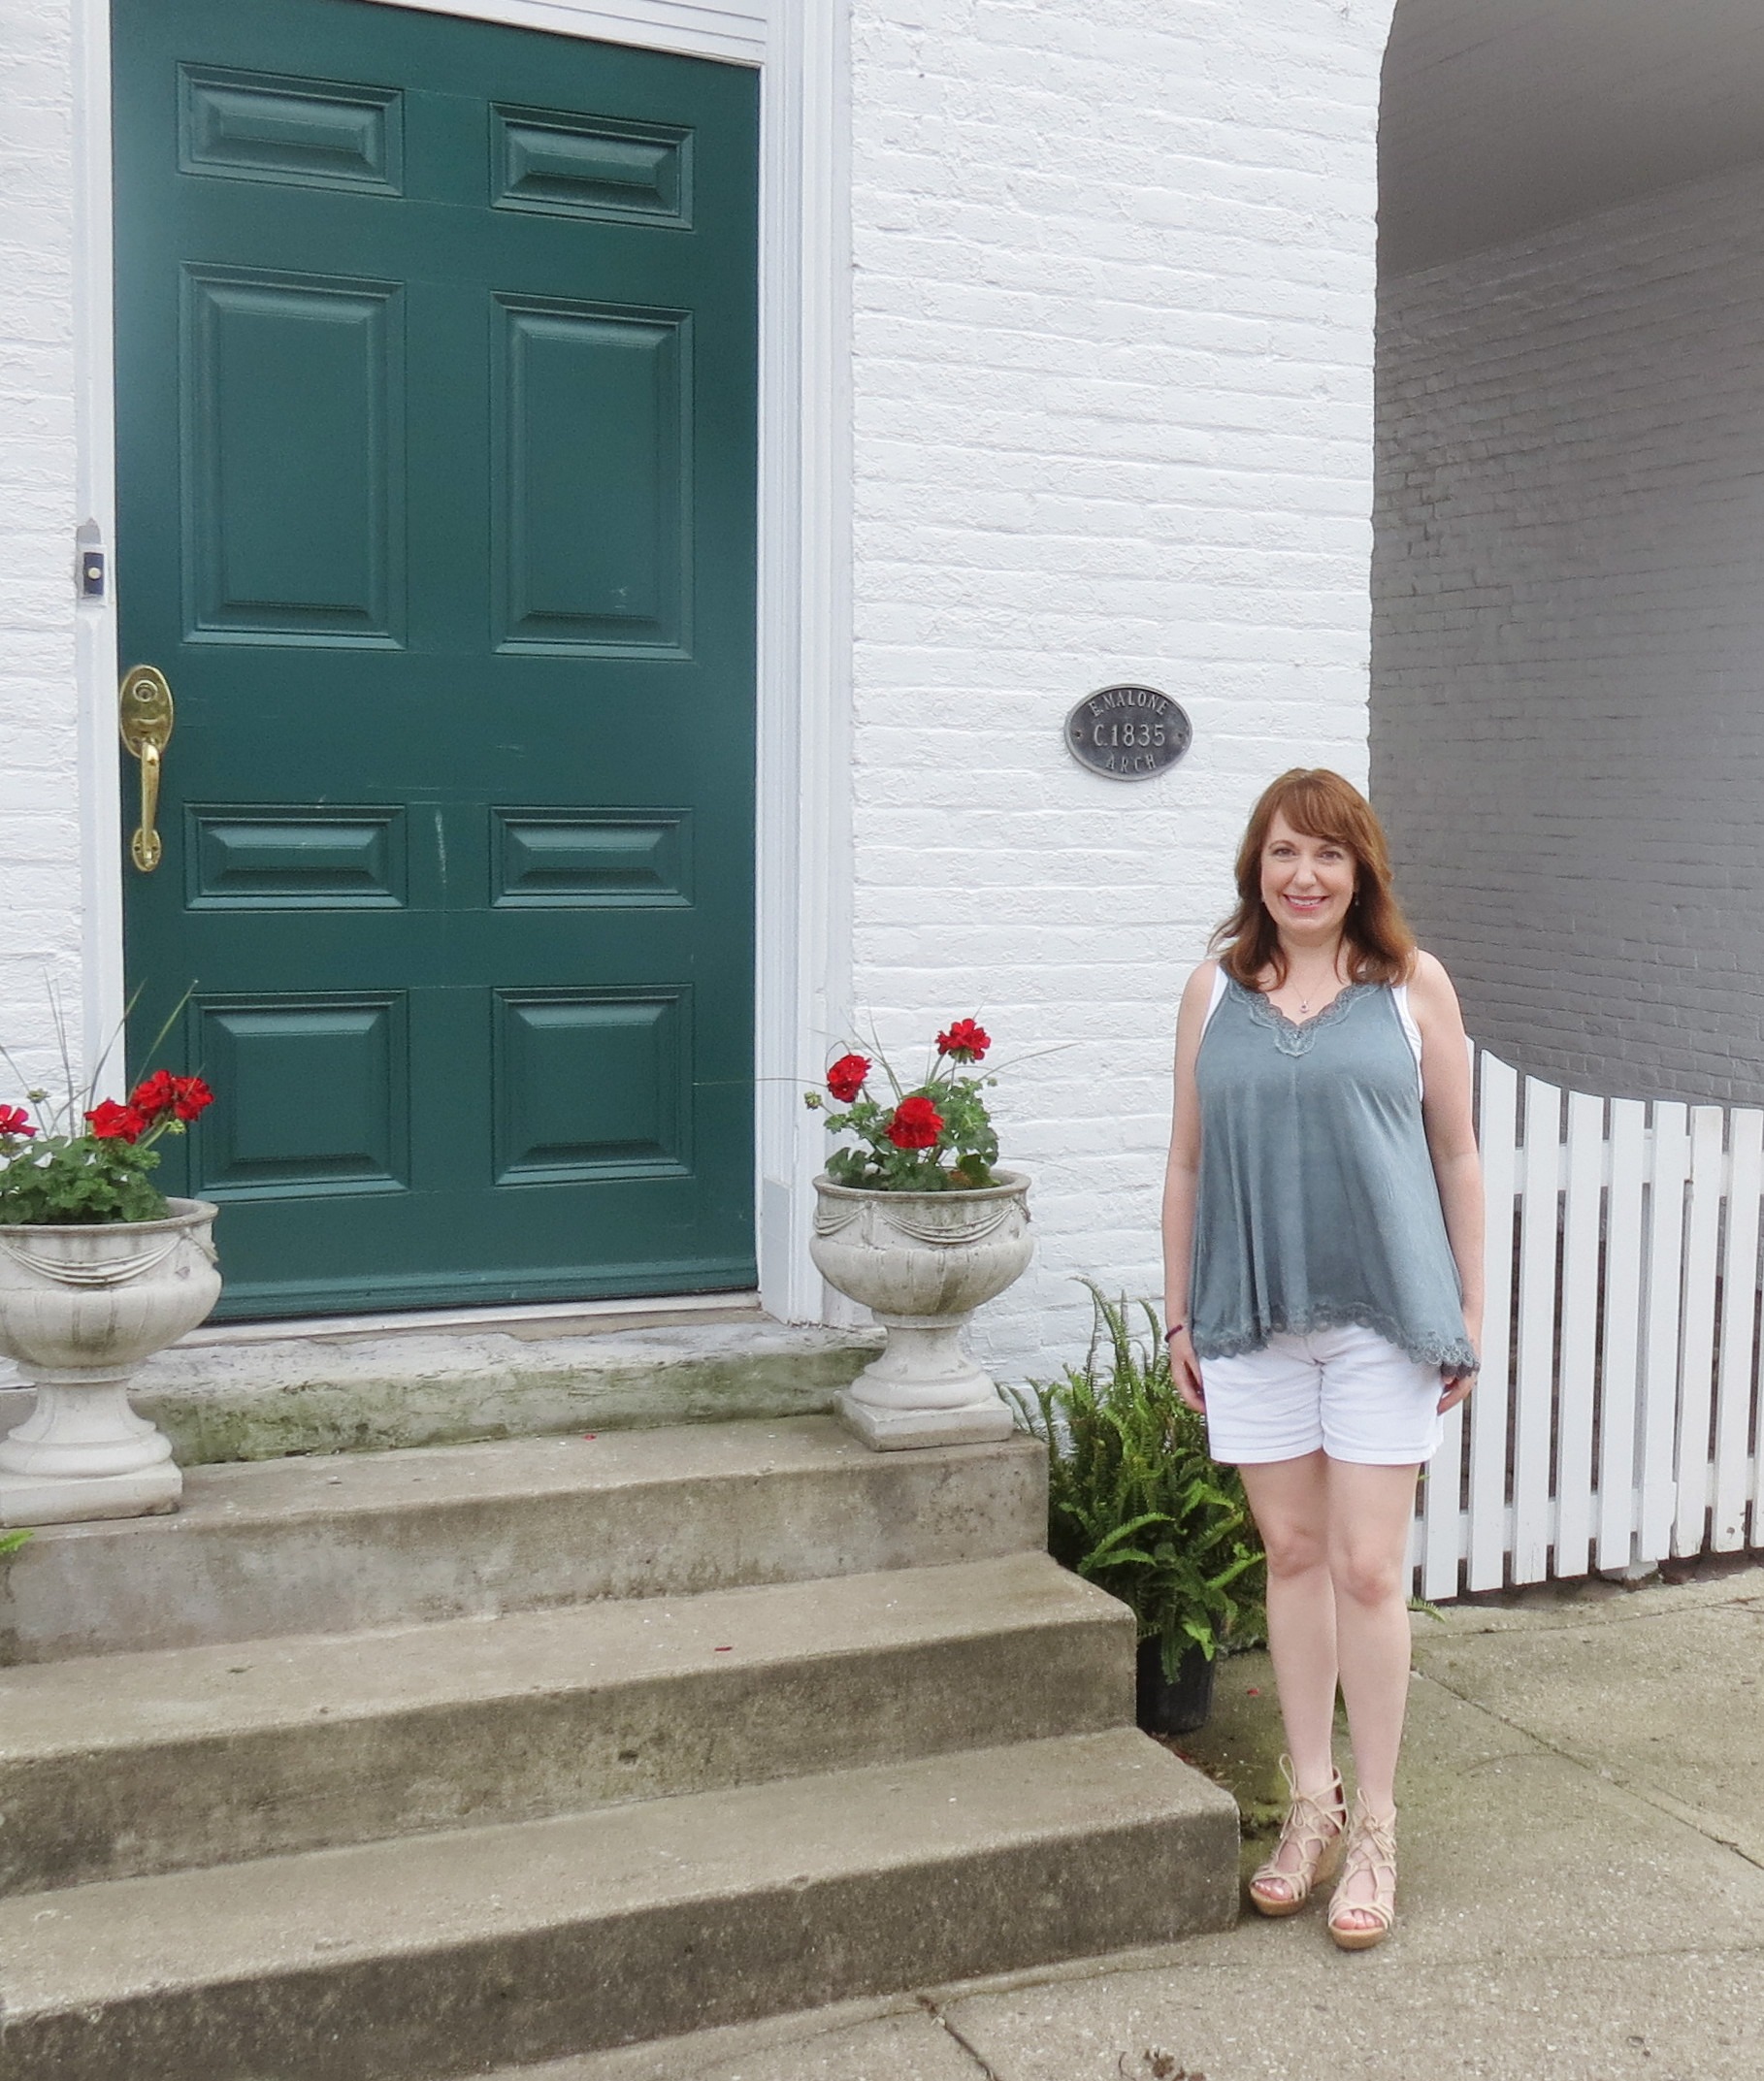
(1370, 1857)
(1310, 1841)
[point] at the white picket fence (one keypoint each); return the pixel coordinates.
(1618, 1415)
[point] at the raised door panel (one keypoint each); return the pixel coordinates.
(294, 859)
(312, 1095)
(257, 126)
(591, 1084)
(293, 444)
(595, 521)
(562, 165)
(570, 858)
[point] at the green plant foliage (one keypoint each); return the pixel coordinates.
(1135, 1503)
(10, 1543)
(77, 1177)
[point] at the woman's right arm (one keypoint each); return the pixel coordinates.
(1180, 1181)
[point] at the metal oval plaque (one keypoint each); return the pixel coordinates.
(1127, 733)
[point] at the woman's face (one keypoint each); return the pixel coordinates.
(1307, 883)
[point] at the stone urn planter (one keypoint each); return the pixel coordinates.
(80, 1308)
(922, 1262)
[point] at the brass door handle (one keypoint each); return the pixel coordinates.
(146, 716)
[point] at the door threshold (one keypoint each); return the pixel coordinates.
(545, 1318)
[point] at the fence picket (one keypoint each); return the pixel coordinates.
(1580, 1313)
(1696, 1363)
(1534, 1376)
(1441, 1513)
(1668, 1177)
(1739, 1316)
(1619, 1352)
(1497, 1112)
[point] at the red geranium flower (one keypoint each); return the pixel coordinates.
(965, 1042)
(916, 1124)
(14, 1120)
(112, 1123)
(154, 1094)
(193, 1098)
(845, 1079)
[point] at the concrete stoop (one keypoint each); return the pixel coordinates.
(265, 1390)
(433, 1762)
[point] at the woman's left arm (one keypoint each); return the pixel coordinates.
(1452, 1142)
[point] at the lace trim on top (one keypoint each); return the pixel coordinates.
(1425, 1350)
(1294, 1036)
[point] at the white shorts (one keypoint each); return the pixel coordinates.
(1347, 1392)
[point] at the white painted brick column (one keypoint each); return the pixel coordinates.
(1114, 307)
(40, 852)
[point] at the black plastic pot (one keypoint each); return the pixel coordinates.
(1162, 1707)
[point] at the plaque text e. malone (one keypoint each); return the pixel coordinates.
(1127, 733)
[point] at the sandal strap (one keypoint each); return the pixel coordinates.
(1371, 1850)
(1310, 1825)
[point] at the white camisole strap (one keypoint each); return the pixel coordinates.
(1411, 1031)
(1219, 991)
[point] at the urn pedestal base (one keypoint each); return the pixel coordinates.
(886, 1429)
(84, 1452)
(74, 1498)
(924, 1390)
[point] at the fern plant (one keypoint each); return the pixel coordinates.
(1135, 1503)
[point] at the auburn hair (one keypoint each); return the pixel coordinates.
(1319, 804)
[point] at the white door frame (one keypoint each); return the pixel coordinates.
(803, 887)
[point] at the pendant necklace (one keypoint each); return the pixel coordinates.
(1304, 1003)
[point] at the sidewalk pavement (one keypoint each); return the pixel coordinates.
(1582, 1898)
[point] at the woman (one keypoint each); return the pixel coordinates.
(1322, 1264)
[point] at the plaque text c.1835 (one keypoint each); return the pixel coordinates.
(1127, 733)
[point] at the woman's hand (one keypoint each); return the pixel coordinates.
(1185, 1371)
(1458, 1385)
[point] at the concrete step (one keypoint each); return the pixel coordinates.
(119, 1765)
(457, 1952)
(261, 1391)
(394, 1538)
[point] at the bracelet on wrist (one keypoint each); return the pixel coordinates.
(1175, 1330)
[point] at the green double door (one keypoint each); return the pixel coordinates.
(436, 394)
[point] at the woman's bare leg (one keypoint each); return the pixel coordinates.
(1289, 1500)
(1369, 1512)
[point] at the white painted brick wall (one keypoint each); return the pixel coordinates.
(39, 892)
(1568, 705)
(1113, 300)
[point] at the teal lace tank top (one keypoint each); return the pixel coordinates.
(1317, 1207)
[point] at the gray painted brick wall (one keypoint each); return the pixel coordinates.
(1568, 637)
